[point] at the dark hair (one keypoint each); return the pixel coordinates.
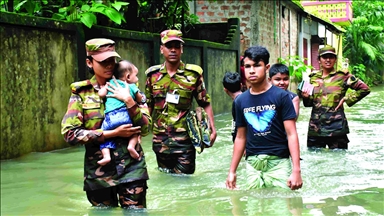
(120, 71)
(90, 70)
(257, 54)
(232, 81)
(278, 68)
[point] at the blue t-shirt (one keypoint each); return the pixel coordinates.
(263, 115)
(291, 94)
(113, 103)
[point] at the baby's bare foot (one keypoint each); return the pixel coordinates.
(104, 161)
(134, 154)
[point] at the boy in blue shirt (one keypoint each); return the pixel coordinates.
(279, 76)
(266, 128)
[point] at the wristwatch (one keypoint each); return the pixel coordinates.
(143, 98)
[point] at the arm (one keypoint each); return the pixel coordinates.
(204, 100)
(360, 91)
(75, 132)
(139, 97)
(296, 104)
(140, 117)
(209, 111)
(135, 92)
(307, 95)
(148, 95)
(238, 150)
(72, 125)
(294, 181)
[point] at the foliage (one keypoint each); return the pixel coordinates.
(173, 14)
(359, 71)
(296, 67)
(85, 11)
(364, 40)
(143, 15)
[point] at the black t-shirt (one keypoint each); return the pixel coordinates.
(234, 128)
(263, 115)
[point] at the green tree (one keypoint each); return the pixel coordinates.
(157, 15)
(364, 41)
(296, 67)
(85, 11)
(142, 15)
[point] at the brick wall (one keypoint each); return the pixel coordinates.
(221, 10)
(267, 19)
(289, 31)
(261, 23)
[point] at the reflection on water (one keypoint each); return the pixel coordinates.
(335, 182)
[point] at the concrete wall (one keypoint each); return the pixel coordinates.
(38, 66)
(41, 58)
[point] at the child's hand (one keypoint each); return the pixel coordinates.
(103, 91)
(294, 181)
(231, 181)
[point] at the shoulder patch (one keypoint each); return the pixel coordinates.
(194, 67)
(76, 86)
(313, 73)
(352, 80)
(152, 69)
(343, 71)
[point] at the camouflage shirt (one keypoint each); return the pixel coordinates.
(169, 123)
(327, 93)
(81, 125)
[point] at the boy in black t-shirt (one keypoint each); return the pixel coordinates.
(266, 128)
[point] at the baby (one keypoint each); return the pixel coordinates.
(116, 112)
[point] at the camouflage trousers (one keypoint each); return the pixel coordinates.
(333, 142)
(180, 163)
(131, 195)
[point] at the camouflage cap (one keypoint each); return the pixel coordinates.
(101, 49)
(171, 35)
(327, 50)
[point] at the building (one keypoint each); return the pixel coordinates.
(284, 27)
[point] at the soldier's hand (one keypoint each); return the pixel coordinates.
(120, 93)
(127, 130)
(213, 136)
(304, 94)
(340, 104)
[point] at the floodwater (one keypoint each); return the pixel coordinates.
(335, 182)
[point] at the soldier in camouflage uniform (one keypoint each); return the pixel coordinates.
(328, 124)
(124, 179)
(170, 88)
